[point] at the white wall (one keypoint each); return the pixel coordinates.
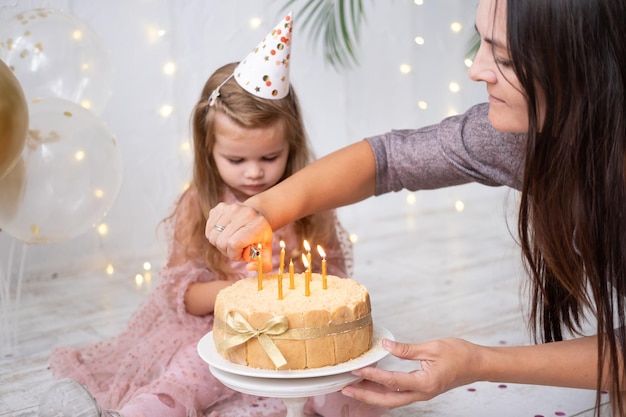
(340, 107)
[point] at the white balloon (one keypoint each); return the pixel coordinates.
(68, 177)
(55, 54)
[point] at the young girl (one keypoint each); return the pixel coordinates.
(555, 129)
(244, 143)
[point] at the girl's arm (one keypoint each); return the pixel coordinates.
(200, 296)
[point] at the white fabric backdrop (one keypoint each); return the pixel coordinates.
(340, 106)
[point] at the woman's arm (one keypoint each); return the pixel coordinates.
(450, 363)
(338, 179)
(343, 177)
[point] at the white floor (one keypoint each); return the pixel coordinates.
(432, 271)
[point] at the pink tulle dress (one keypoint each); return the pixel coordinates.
(153, 369)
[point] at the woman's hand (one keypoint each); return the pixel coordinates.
(445, 364)
(234, 228)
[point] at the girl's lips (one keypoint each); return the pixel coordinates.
(254, 187)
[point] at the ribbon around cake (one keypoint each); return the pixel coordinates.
(278, 328)
(275, 326)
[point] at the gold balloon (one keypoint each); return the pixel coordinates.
(13, 120)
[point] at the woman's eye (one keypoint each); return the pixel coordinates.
(503, 62)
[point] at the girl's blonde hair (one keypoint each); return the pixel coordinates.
(207, 185)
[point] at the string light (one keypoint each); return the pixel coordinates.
(255, 22)
(154, 33)
(109, 269)
(456, 27)
(459, 206)
(98, 193)
(169, 68)
(103, 229)
(138, 280)
(166, 111)
(147, 266)
(468, 62)
(354, 237)
(185, 146)
(454, 87)
(405, 68)
(79, 155)
(419, 40)
(422, 104)
(411, 199)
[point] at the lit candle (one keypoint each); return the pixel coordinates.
(260, 268)
(307, 247)
(307, 281)
(323, 255)
(291, 283)
(281, 266)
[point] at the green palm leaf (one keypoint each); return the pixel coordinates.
(335, 24)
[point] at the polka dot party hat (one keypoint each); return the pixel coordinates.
(265, 71)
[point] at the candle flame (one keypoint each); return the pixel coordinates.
(307, 247)
(321, 251)
(282, 244)
(305, 261)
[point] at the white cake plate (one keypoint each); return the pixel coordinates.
(294, 387)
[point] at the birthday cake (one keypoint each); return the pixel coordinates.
(329, 326)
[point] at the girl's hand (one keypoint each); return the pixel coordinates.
(445, 364)
(240, 227)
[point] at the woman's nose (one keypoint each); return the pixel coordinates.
(483, 67)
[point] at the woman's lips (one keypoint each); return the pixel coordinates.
(495, 100)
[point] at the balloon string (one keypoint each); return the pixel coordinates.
(18, 293)
(10, 308)
(5, 293)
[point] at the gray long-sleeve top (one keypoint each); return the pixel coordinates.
(459, 150)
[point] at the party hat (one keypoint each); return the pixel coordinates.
(265, 71)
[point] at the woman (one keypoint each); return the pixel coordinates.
(555, 73)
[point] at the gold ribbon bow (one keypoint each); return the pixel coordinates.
(275, 326)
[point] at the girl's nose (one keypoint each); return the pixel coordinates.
(254, 171)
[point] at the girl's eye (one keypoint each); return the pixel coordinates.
(235, 161)
(270, 158)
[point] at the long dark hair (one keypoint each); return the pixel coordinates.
(570, 55)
